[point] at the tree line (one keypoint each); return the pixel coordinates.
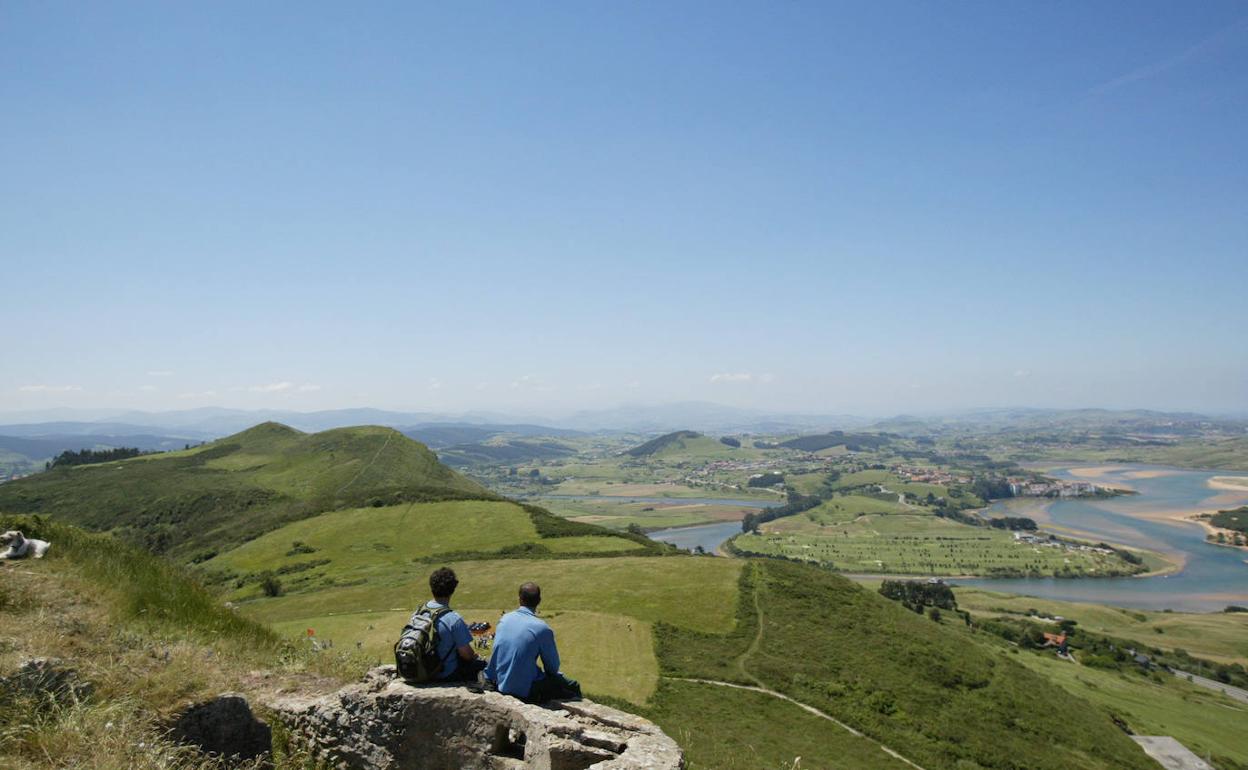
(797, 503)
(89, 456)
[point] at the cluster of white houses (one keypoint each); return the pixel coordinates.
(1031, 488)
(1045, 541)
(930, 475)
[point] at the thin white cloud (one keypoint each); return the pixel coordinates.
(160, 373)
(198, 394)
(530, 382)
(148, 388)
(743, 377)
(1204, 46)
(50, 388)
(1021, 373)
(272, 387)
(435, 383)
(309, 387)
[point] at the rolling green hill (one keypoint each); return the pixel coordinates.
(939, 695)
(146, 636)
(352, 521)
(656, 445)
(856, 441)
(687, 445)
(237, 488)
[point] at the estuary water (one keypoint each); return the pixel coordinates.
(667, 500)
(1211, 577)
(709, 536)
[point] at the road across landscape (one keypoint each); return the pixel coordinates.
(1238, 693)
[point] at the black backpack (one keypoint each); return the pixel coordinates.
(416, 652)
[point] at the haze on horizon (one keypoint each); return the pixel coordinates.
(537, 209)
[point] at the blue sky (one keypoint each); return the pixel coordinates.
(876, 208)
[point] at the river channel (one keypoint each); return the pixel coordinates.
(1211, 576)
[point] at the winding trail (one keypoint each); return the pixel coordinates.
(758, 636)
(760, 687)
(802, 706)
(368, 465)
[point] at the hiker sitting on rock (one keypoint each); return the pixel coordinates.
(522, 638)
(436, 645)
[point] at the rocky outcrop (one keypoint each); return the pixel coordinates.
(386, 724)
(223, 726)
(49, 678)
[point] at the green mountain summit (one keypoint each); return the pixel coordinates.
(236, 488)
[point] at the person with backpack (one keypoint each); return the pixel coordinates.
(520, 640)
(436, 645)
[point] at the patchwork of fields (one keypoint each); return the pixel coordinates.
(601, 609)
(619, 513)
(855, 533)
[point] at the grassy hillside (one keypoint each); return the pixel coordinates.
(359, 545)
(676, 439)
(633, 629)
(232, 490)
(942, 698)
(854, 441)
(1221, 453)
(351, 522)
(1220, 636)
(860, 534)
(149, 639)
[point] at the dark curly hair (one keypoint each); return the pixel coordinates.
(442, 582)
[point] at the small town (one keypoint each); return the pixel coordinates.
(1021, 487)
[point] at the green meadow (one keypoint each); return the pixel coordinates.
(940, 695)
(601, 609)
(621, 513)
(337, 533)
(863, 534)
(223, 494)
(1220, 636)
(361, 542)
(610, 654)
(1206, 722)
(730, 729)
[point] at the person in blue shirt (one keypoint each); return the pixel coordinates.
(459, 661)
(519, 641)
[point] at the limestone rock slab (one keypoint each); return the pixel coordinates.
(383, 723)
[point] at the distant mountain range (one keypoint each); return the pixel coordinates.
(257, 480)
(28, 439)
(629, 418)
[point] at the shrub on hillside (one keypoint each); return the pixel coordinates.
(271, 586)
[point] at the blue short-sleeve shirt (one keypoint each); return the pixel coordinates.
(520, 641)
(452, 633)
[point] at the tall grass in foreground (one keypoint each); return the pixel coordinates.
(147, 637)
(146, 588)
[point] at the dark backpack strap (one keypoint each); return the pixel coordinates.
(435, 617)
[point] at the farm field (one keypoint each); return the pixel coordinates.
(873, 665)
(601, 609)
(619, 514)
(1202, 720)
(609, 654)
(862, 534)
(1229, 454)
(358, 544)
(719, 728)
(1220, 636)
